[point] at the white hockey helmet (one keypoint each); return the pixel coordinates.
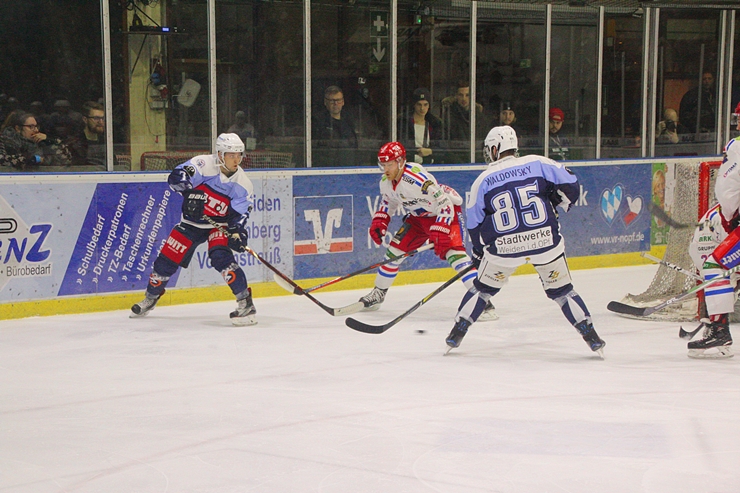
(499, 140)
(228, 143)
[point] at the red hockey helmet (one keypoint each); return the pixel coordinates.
(735, 118)
(390, 152)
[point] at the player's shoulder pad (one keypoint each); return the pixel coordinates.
(425, 186)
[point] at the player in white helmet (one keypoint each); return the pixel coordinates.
(512, 220)
(724, 221)
(432, 213)
(216, 186)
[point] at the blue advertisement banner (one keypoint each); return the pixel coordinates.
(610, 216)
(121, 235)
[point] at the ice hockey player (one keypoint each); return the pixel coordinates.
(432, 213)
(214, 186)
(720, 297)
(512, 219)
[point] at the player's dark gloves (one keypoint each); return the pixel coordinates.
(193, 204)
(476, 257)
(239, 233)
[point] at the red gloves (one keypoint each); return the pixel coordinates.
(379, 226)
(439, 234)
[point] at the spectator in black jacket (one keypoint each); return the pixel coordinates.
(421, 130)
(23, 147)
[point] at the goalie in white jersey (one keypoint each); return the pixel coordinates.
(512, 220)
(431, 214)
(214, 186)
(720, 225)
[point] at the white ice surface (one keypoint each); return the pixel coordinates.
(181, 401)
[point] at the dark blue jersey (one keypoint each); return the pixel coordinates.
(512, 205)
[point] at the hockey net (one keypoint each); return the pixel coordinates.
(166, 160)
(692, 196)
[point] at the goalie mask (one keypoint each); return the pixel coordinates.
(228, 143)
(498, 141)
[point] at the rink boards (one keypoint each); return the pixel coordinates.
(81, 242)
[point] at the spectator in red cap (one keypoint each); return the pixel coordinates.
(558, 151)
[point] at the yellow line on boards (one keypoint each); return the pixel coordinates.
(121, 301)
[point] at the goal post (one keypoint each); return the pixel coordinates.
(693, 195)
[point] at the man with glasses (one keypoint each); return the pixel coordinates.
(88, 145)
(333, 130)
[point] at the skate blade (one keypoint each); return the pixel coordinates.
(372, 308)
(449, 348)
(244, 321)
(600, 352)
(138, 315)
(722, 352)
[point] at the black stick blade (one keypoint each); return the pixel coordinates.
(366, 328)
(656, 211)
(617, 307)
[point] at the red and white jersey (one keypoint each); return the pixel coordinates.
(418, 193)
(727, 187)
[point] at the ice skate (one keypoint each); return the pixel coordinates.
(586, 329)
(373, 299)
(716, 336)
(457, 333)
(489, 313)
(245, 313)
(143, 307)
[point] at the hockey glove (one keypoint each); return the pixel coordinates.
(238, 233)
(193, 204)
(476, 256)
(439, 234)
(179, 180)
(379, 226)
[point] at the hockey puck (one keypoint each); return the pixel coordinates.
(420, 331)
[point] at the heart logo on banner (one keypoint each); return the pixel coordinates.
(635, 206)
(610, 202)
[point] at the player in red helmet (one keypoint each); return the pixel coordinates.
(431, 213)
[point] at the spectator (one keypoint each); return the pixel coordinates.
(689, 107)
(243, 129)
(36, 108)
(670, 127)
(558, 147)
(458, 113)
(422, 130)
(333, 130)
(64, 121)
(23, 146)
(88, 146)
(507, 116)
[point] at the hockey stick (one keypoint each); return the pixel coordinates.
(658, 212)
(301, 291)
(379, 329)
(331, 311)
(689, 335)
(617, 307)
(675, 267)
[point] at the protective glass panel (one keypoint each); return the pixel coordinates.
(260, 79)
(687, 83)
(622, 85)
(511, 72)
(573, 83)
(350, 69)
(52, 65)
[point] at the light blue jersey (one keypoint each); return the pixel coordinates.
(511, 211)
